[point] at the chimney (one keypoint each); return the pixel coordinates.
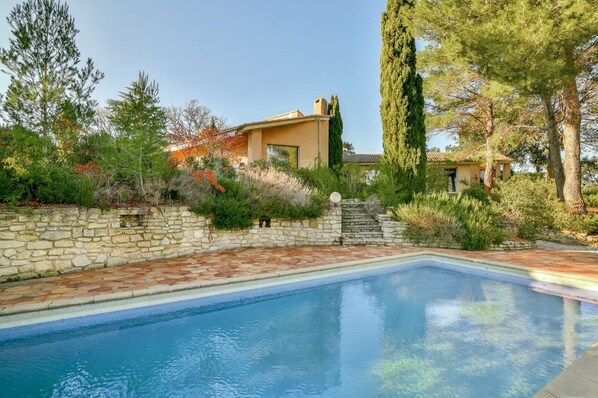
(320, 107)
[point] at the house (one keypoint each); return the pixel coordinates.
(291, 137)
(462, 171)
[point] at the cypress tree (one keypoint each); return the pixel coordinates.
(335, 141)
(402, 108)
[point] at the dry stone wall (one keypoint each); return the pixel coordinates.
(393, 236)
(53, 240)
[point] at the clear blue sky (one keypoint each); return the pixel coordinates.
(246, 60)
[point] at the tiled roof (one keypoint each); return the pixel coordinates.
(369, 158)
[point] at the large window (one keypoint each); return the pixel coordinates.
(281, 154)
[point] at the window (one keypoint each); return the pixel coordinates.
(452, 180)
(281, 154)
(482, 174)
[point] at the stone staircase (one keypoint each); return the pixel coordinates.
(359, 228)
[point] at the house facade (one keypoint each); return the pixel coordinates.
(291, 137)
(462, 172)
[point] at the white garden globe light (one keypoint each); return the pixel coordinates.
(335, 197)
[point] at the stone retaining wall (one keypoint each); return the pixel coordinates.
(53, 240)
(569, 237)
(393, 236)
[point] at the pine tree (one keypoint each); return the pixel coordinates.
(335, 142)
(402, 108)
(141, 125)
(538, 47)
(47, 87)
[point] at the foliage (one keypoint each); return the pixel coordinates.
(30, 170)
(270, 183)
(322, 178)
(335, 141)
(387, 188)
(349, 180)
(590, 195)
(536, 47)
(486, 117)
(353, 180)
(477, 192)
(529, 203)
(195, 132)
(500, 41)
(348, 147)
(229, 209)
(587, 224)
(402, 107)
(437, 179)
(137, 156)
(479, 223)
(91, 148)
(429, 226)
(48, 92)
(589, 172)
(261, 192)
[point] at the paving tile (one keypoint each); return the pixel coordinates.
(544, 394)
(569, 384)
(587, 365)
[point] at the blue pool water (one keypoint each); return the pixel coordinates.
(420, 332)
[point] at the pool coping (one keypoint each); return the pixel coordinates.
(584, 288)
(580, 379)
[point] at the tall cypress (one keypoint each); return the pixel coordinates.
(335, 140)
(402, 107)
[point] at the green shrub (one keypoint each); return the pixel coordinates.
(586, 224)
(479, 223)
(322, 178)
(229, 209)
(353, 182)
(31, 169)
(529, 204)
(259, 193)
(387, 188)
(437, 179)
(590, 196)
(477, 192)
(426, 225)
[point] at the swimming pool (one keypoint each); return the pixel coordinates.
(420, 331)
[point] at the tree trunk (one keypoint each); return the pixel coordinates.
(489, 171)
(555, 169)
(571, 142)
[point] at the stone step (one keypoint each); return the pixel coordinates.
(370, 223)
(353, 234)
(357, 234)
(363, 242)
(357, 215)
(358, 229)
(362, 224)
(352, 207)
